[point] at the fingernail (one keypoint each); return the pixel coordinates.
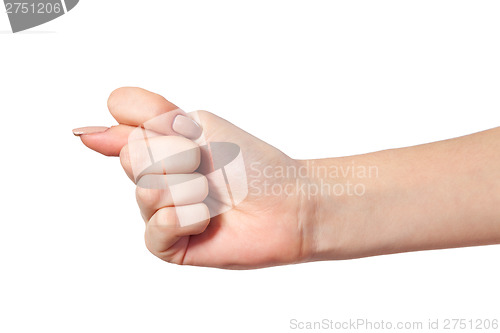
(89, 130)
(186, 127)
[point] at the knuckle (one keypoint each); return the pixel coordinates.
(205, 187)
(150, 245)
(125, 155)
(125, 159)
(148, 197)
(204, 113)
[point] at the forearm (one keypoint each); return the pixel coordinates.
(439, 195)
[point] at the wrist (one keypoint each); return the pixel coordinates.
(341, 198)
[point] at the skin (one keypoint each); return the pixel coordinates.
(440, 195)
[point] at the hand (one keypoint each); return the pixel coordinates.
(263, 230)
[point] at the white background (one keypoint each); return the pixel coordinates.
(313, 78)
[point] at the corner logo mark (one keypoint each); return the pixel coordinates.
(25, 14)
